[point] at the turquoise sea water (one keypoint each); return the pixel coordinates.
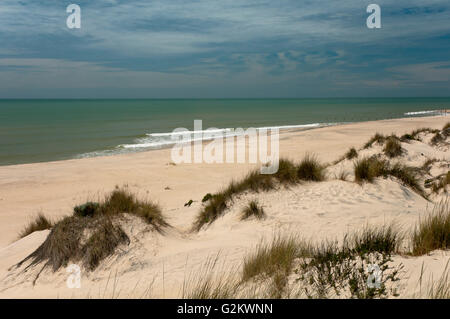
(47, 130)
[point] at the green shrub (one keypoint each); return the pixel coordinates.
(90, 235)
(88, 209)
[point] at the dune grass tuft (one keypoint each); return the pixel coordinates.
(40, 223)
(437, 138)
(210, 282)
(432, 232)
(273, 257)
(336, 269)
(91, 234)
(393, 147)
(351, 154)
(414, 135)
(441, 183)
(102, 243)
(407, 175)
(379, 138)
(289, 173)
(382, 239)
(441, 288)
(253, 209)
(446, 129)
(310, 169)
(367, 169)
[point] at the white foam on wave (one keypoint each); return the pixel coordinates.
(424, 112)
(158, 140)
(162, 140)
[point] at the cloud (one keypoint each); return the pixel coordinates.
(213, 44)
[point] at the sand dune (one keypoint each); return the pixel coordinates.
(157, 265)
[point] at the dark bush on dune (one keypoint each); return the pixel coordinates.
(102, 243)
(86, 210)
(92, 233)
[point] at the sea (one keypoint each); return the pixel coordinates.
(50, 130)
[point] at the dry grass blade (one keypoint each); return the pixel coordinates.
(40, 223)
(432, 232)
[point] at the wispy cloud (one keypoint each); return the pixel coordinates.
(223, 45)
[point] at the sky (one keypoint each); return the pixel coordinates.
(224, 49)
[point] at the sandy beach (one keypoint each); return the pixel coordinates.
(156, 265)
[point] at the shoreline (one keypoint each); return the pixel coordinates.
(206, 141)
(56, 187)
(317, 211)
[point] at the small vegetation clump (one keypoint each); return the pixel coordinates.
(102, 243)
(384, 239)
(206, 198)
(272, 257)
(91, 234)
(441, 183)
(379, 138)
(351, 154)
(437, 138)
(253, 209)
(414, 135)
(446, 129)
(210, 282)
(393, 148)
(341, 270)
(407, 137)
(40, 223)
(188, 203)
(310, 169)
(342, 175)
(327, 267)
(289, 173)
(433, 232)
(367, 169)
(427, 164)
(86, 210)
